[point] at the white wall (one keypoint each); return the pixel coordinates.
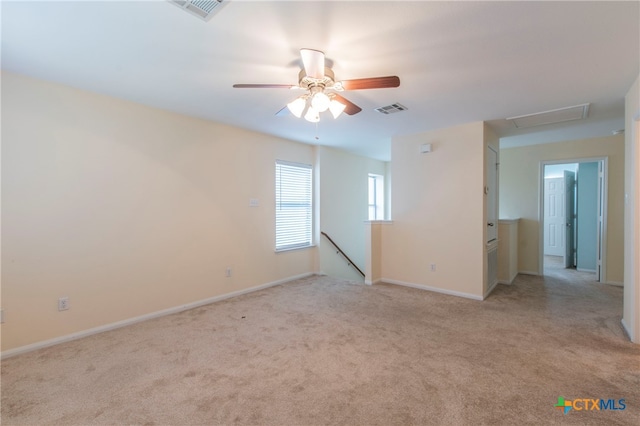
(128, 210)
(438, 211)
(343, 209)
(631, 315)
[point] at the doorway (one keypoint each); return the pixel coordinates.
(573, 216)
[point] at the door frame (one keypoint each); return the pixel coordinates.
(569, 257)
(602, 205)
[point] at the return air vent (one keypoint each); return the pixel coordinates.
(203, 9)
(392, 109)
(578, 112)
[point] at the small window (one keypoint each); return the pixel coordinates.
(376, 197)
(294, 209)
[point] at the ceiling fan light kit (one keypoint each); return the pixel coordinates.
(315, 78)
(320, 102)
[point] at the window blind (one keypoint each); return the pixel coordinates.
(294, 210)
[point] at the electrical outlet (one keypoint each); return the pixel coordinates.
(228, 272)
(432, 267)
(63, 303)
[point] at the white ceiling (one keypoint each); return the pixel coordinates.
(458, 62)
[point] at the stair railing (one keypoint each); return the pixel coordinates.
(342, 253)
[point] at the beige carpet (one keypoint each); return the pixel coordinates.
(323, 351)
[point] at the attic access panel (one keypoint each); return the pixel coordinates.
(577, 112)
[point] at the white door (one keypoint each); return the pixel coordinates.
(491, 190)
(554, 217)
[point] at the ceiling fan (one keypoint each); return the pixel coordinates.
(320, 85)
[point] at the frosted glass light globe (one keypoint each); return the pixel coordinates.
(320, 102)
(312, 115)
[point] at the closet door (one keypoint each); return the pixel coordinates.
(491, 191)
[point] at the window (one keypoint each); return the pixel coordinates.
(376, 197)
(294, 209)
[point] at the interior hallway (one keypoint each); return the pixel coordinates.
(554, 266)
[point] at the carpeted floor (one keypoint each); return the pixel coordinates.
(324, 351)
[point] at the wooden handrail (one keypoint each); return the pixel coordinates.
(342, 253)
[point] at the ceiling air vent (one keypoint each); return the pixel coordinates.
(392, 109)
(559, 115)
(203, 9)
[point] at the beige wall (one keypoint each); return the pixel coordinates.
(631, 316)
(438, 211)
(373, 252)
(519, 195)
(128, 210)
(343, 209)
(507, 251)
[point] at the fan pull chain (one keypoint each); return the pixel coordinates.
(317, 137)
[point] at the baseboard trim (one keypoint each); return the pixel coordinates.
(529, 273)
(626, 329)
(615, 283)
(508, 282)
(369, 282)
(591, 271)
(119, 324)
(489, 290)
(429, 288)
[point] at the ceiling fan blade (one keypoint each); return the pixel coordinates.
(313, 61)
(283, 112)
(371, 83)
(264, 86)
(351, 108)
